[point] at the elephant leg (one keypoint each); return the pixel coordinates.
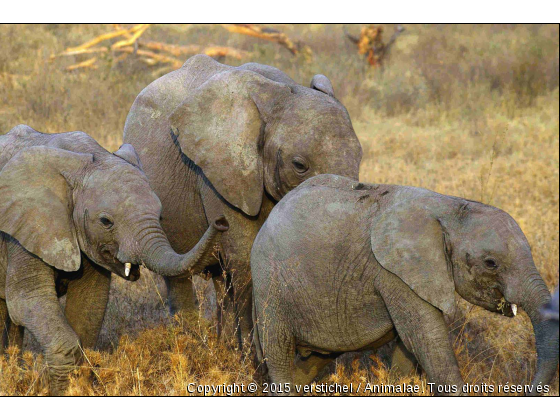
(234, 297)
(236, 255)
(182, 297)
(224, 293)
(205, 297)
(243, 300)
(423, 331)
(279, 351)
(15, 336)
(275, 346)
(307, 368)
(5, 324)
(10, 333)
(86, 301)
(32, 302)
(403, 362)
(180, 294)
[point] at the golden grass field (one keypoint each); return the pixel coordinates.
(466, 110)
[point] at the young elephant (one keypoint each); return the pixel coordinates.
(234, 141)
(343, 266)
(71, 213)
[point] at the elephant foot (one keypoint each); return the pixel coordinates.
(61, 365)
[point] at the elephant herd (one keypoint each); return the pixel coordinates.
(244, 165)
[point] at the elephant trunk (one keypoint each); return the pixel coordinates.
(532, 299)
(158, 256)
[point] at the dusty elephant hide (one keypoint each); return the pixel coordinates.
(215, 139)
(342, 266)
(71, 213)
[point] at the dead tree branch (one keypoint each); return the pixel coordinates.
(149, 52)
(270, 34)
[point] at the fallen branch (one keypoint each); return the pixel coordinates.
(132, 37)
(153, 58)
(83, 64)
(269, 34)
(217, 51)
(80, 52)
(164, 53)
(180, 50)
(109, 35)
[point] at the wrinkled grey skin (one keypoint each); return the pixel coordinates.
(71, 213)
(342, 266)
(550, 310)
(550, 351)
(215, 139)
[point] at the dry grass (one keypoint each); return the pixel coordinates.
(470, 111)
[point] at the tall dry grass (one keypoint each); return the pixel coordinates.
(466, 110)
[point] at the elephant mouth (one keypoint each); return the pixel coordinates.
(128, 271)
(506, 308)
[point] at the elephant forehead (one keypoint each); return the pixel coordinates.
(496, 231)
(120, 190)
(322, 119)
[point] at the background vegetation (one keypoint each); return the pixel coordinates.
(466, 110)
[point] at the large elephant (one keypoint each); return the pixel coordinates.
(215, 139)
(343, 266)
(71, 214)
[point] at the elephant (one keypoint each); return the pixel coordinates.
(550, 314)
(72, 213)
(344, 266)
(550, 310)
(216, 139)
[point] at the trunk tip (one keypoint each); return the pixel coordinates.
(550, 310)
(221, 224)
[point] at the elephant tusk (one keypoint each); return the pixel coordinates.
(514, 309)
(127, 268)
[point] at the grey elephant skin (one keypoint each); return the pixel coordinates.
(71, 213)
(343, 266)
(215, 139)
(550, 314)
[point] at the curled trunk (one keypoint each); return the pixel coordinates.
(534, 297)
(158, 255)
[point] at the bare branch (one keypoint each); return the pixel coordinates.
(269, 34)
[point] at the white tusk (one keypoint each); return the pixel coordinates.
(514, 309)
(127, 268)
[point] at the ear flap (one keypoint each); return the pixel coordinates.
(321, 83)
(36, 203)
(410, 243)
(220, 126)
(127, 152)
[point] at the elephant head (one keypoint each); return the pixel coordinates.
(58, 203)
(439, 245)
(251, 134)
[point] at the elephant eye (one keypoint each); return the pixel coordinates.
(106, 222)
(300, 165)
(490, 263)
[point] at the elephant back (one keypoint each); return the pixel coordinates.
(148, 116)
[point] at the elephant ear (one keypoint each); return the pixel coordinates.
(127, 152)
(321, 83)
(220, 127)
(411, 243)
(36, 205)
